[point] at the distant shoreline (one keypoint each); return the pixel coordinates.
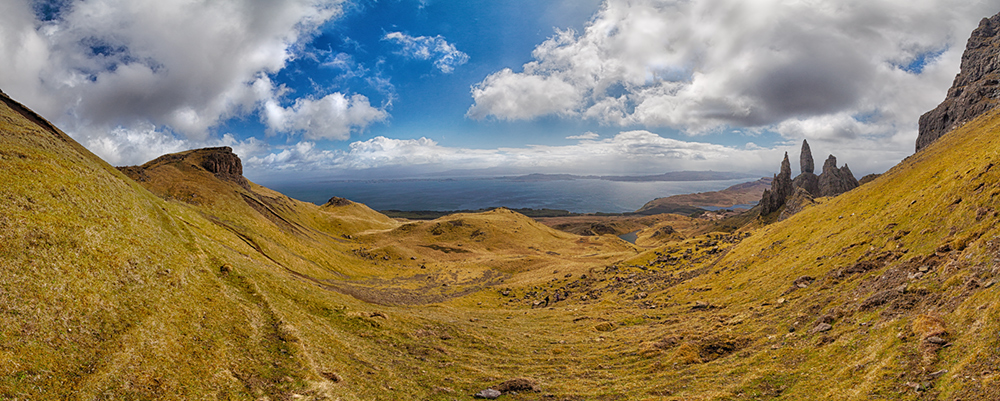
(674, 176)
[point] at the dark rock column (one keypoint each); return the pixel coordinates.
(781, 189)
(806, 163)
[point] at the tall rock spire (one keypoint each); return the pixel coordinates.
(806, 163)
(807, 180)
(781, 189)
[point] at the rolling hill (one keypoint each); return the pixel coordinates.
(180, 279)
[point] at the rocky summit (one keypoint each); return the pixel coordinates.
(975, 89)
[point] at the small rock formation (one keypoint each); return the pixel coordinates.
(796, 203)
(224, 164)
(781, 189)
(975, 89)
(489, 394)
(807, 179)
(835, 181)
(338, 201)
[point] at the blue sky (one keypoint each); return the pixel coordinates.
(328, 89)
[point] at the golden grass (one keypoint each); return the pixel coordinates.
(189, 287)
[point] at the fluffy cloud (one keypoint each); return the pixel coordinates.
(109, 70)
(702, 65)
(333, 116)
(445, 55)
(640, 151)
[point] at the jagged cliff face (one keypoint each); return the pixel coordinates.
(975, 89)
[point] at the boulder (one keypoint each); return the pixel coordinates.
(489, 394)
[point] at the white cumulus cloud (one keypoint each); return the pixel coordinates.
(113, 71)
(445, 55)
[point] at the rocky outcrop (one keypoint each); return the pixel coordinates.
(835, 181)
(781, 189)
(807, 179)
(225, 164)
(338, 201)
(809, 182)
(800, 200)
(868, 178)
(976, 88)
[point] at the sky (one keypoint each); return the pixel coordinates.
(307, 90)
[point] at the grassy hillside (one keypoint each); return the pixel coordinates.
(194, 285)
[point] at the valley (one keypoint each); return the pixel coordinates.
(182, 279)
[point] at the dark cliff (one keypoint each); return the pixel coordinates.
(975, 89)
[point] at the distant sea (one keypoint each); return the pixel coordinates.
(578, 195)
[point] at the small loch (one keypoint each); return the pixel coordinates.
(630, 237)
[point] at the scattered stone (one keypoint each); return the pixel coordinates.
(489, 394)
(975, 89)
(936, 340)
(803, 282)
(820, 328)
(518, 384)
